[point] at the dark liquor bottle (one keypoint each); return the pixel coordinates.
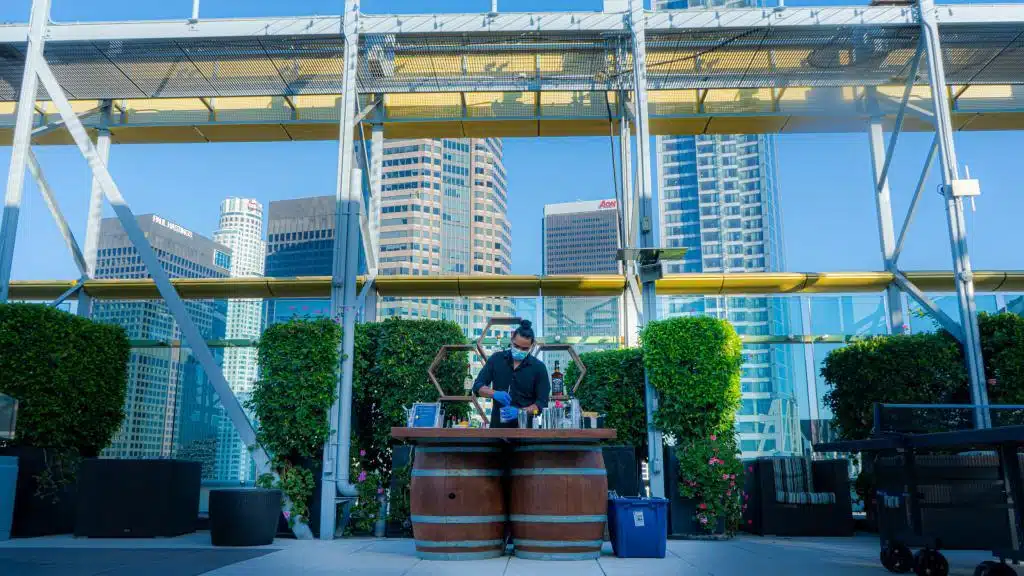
(557, 380)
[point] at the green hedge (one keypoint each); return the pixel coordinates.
(70, 375)
(298, 381)
(694, 364)
(614, 386)
(1002, 346)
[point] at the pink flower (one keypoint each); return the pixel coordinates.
(714, 438)
(732, 476)
(703, 506)
(728, 492)
(746, 496)
(362, 476)
(558, 404)
(750, 469)
(703, 520)
(749, 522)
(725, 476)
(362, 452)
(712, 461)
(380, 490)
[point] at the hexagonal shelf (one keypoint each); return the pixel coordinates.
(441, 354)
(575, 357)
(483, 335)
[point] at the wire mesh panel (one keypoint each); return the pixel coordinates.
(923, 419)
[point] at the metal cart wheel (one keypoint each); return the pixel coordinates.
(993, 568)
(897, 558)
(928, 562)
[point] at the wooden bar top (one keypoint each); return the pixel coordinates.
(498, 435)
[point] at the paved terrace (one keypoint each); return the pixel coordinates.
(192, 555)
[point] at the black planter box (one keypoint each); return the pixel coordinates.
(401, 456)
(39, 516)
(283, 529)
(682, 511)
(623, 468)
(244, 516)
(137, 498)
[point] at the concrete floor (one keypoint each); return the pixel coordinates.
(193, 555)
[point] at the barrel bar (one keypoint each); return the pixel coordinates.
(556, 556)
(458, 519)
(459, 543)
(578, 519)
(450, 472)
(448, 449)
(558, 472)
(556, 448)
(461, 555)
(556, 543)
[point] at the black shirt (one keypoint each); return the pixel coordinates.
(528, 384)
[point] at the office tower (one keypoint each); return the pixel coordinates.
(581, 238)
(241, 230)
(444, 211)
(170, 406)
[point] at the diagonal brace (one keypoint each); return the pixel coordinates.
(950, 325)
(907, 90)
(172, 299)
(78, 285)
(58, 216)
(917, 197)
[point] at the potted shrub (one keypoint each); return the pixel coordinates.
(694, 364)
(70, 376)
(614, 386)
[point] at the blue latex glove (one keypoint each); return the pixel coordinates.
(503, 398)
(509, 413)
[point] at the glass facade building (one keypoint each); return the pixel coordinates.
(170, 408)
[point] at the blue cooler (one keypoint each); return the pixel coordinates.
(638, 526)
(8, 486)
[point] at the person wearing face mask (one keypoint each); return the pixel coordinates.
(515, 380)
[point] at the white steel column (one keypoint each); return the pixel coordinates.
(22, 140)
(631, 299)
(348, 199)
(883, 209)
(955, 212)
(376, 168)
(95, 215)
(645, 200)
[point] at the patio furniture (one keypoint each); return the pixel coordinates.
(137, 498)
(794, 496)
(244, 516)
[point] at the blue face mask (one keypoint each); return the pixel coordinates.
(519, 355)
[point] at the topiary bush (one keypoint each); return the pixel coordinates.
(70, 375)
(298, 366)
(614, 386)
(923, 368)
(1002, 347)
(694, 363)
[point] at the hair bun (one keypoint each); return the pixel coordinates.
(525, 324)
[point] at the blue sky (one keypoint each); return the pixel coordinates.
(825, 180)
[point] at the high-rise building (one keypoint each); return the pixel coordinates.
(241, 230)
(581, 238)
(170, 407)
(444, 206)
(719, 199)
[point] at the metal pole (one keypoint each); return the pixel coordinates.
(95, 216)
(630, 315)
(22, 140)
(883, 208)
(645, 199)
(195, 10)
(963, 275)
(336, 464)
(376, 183)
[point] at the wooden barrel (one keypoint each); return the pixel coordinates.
(457, 503)
(558, 503)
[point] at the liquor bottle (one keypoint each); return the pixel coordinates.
(557, 380)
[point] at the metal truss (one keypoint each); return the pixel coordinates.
(966, 331)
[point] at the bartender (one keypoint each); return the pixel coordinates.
(514, 380)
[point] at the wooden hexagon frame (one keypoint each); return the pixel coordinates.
(575, 357)
(441, 354)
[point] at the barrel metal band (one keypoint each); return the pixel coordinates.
(461, 555)
(458, 519)
(556, 448)
(557, 543)
(459, 543)
(559, 472)
(449, 449)
(449, 472)
(558, 519)
(557, 556)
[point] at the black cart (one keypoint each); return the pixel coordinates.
(896, 542)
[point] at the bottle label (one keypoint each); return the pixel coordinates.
(556, 385)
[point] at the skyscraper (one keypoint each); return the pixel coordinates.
(719, 198)
(581, 238)
(241, 230)
(444, 206)
(170, 406)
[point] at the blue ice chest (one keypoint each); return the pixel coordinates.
(638, 526)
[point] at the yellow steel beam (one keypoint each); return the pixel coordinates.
(496, 286)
